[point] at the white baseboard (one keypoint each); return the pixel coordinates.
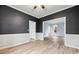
(10, 40)
(72, 40)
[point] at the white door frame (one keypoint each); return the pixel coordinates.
(55, 21)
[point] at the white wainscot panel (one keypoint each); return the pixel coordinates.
(72, 40)
(10, 40)
(39, 36)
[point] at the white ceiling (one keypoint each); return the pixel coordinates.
(39, 12)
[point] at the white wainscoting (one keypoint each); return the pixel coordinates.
(72, 40)
(10, 40)
(39, 36)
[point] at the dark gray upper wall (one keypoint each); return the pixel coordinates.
(72, 19)
(14, 21)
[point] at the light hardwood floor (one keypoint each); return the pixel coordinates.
(47, 46)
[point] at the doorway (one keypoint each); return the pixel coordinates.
(54, 28)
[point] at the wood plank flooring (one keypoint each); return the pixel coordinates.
(47, 46)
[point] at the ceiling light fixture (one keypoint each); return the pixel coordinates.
(42, 6)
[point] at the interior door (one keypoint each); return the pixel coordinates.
(32, 29)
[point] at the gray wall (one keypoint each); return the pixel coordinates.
(72, 19)
(13, 21)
